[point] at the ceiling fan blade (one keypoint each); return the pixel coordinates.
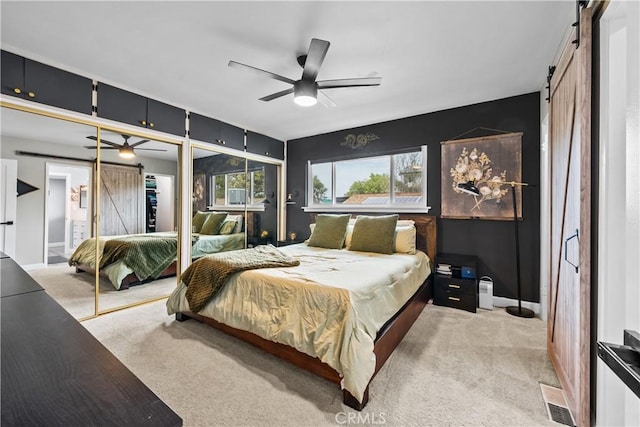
(93, 147)
(275, 76)
(364, 81)
(104, 141)
(325, 100)
(276, 95)
(317, 51)
(150, 149)
(142, 141)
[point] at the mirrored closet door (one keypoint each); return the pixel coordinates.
(138, 194)
(220, 196)
(54, 202)
(264, 197)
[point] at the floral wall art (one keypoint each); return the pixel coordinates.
(489, 162)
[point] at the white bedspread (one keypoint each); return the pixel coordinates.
(331, 306)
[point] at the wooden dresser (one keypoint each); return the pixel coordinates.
(54, 372)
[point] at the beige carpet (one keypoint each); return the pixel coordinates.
(453, 368)
(76, 291)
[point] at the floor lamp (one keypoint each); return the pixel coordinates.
(470, 188)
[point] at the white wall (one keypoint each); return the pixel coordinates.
(619, 204)
(545, 226)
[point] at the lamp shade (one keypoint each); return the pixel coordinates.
(126, 152)
(305, 93)
(469, 187)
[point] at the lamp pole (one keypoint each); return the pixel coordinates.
(470, 188)
(513, 310)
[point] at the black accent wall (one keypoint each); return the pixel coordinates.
(493, 242)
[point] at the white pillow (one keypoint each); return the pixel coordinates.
(238, 219)
(311, 227)
(347, 239)
(404, 240)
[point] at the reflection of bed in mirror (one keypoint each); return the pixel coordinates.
(135, 259)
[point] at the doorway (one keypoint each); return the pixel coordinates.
(160, 202)
(8, 196)
(57, 218)
(67, 210)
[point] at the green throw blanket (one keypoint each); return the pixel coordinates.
(147, 255)
(205, 277)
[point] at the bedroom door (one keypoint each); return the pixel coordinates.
(568, 332)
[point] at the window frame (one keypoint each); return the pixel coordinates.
(422, 207)
(234, 207)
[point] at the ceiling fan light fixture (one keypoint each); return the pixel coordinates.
(126, 152)
(305, 93)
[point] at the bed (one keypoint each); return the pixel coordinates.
(140, 258)
(344, 344)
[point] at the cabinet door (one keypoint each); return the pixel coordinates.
(264, 145)
(121, 106)
(232, 136)
(52, 86)
(165, 117)
(45, 84)
(12, 73)
(202, 128)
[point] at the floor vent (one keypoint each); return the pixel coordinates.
(560, 414)
(556, 405)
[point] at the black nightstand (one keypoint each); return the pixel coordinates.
(288, 242)
(460, 289)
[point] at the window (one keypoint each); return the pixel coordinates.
(231, 189)
(389, 182)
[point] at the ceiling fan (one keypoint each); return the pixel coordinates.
(125, 149)
(307, 91)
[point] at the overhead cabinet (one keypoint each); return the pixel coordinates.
(34, 81)
(206, 129)
(264, 145)
(127, 107)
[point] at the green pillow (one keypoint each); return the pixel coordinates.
(330, 231)
(228, 226)
(198, 220)
(213, 223)
(374, 234)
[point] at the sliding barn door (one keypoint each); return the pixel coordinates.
(121, 201)
(568, 339)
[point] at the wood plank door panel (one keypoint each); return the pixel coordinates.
(568, 338)
(121, 201)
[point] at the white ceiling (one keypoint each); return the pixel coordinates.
(430, 55)
(49, 131)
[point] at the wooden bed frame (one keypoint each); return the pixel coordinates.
(131, 279)
(388, 338)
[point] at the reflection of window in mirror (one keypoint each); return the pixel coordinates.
(232, 188)
(257, 187)
(83, 196)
